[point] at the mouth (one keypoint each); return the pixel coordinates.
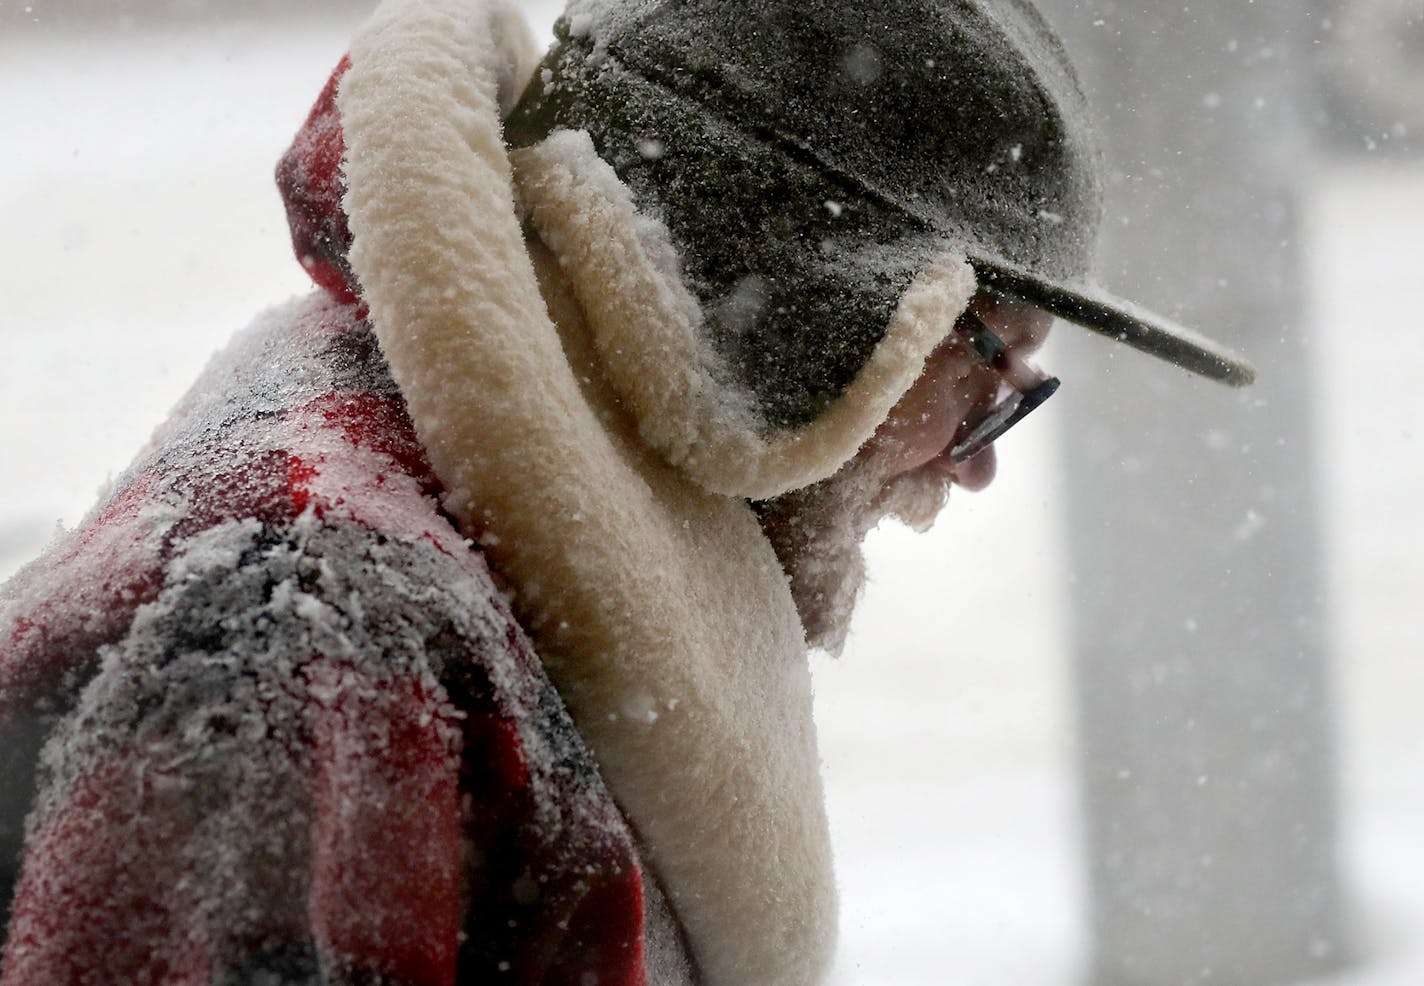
(970, 461)
(1013, 406)
(972, 474)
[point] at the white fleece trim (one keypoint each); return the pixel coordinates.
(649, 332)
(516, 52)
(659, 609)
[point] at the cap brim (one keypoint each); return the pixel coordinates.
(1120, 320)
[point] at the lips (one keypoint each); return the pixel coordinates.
(969, 459)
(973, 473)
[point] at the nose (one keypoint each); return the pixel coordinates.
(1013, 409)
(1022, 388)
(1022, 327)
(950, 413)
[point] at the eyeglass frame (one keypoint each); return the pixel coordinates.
(992, 352)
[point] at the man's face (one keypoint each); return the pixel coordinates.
(956, 389)
(905, 469)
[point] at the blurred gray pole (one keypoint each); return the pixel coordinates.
(1203, 691)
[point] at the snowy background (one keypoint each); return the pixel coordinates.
(139, 227)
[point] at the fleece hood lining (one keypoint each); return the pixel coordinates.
(653, 598)
(658, 608)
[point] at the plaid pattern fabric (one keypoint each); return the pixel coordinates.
(266, 717)
(309, 177)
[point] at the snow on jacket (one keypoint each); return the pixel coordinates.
(293, 728)
(286, 725)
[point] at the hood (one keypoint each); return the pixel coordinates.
(656, 339)
(309, 180)
(547, 352)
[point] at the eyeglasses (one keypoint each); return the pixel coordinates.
(1021, 393)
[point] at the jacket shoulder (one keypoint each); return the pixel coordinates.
(290, 715)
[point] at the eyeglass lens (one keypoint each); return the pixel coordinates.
(993, 352)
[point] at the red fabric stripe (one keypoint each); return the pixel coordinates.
(80, 597)
(310, 180)
(604, 936)
(387, 846)
(96, 896)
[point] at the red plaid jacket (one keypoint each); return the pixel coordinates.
(265, 717)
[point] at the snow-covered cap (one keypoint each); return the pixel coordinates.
(810, 157)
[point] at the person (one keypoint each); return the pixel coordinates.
(454, 628)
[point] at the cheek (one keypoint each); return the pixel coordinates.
(924, 421)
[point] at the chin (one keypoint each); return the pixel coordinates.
(818, 533)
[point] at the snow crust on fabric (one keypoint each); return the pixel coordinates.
(259, 765)
(596, 19)
(659, 609)
(195, 739)
(858, 97)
